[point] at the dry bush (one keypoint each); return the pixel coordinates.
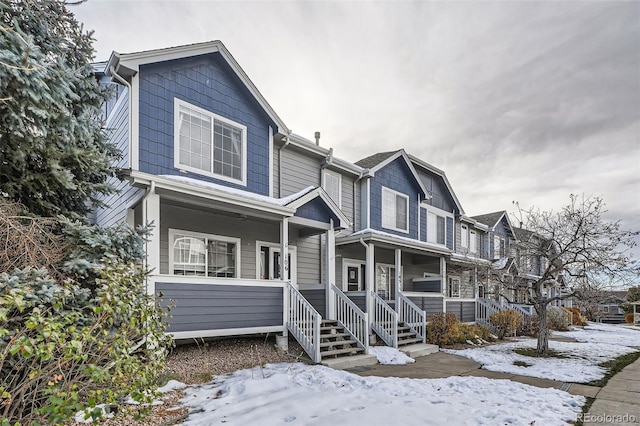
(506, 322)
(27, 241)
(629, 318)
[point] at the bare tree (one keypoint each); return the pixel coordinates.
(578, 246)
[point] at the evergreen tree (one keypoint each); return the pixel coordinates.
(54, 155)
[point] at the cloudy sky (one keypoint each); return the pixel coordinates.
(515, 101)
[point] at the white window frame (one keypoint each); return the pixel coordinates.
(473, 240)
(330, 173)
(498, 241)
(275, 248)
(214, 117)
(437, 212)
(173, 232)
(450, 284)
(353, 263)
(464, 235)
(385, 212)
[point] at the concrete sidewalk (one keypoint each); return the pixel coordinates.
(441, 364)
(619, 401)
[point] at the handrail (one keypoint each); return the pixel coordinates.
(385, 321)
(304, 323)
(413, 316)
(484, 309)
(351, 317)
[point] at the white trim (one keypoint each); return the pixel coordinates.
(117, 106)
(403, 154)
(270, 162)
(464, 237)
(293, 251)
(438, 212)
(368, 206)
(450, 280)
(236, 241)
(395, 215)
(177, 103)
(472, 247)
(225, 332)
(325, 173)
(319, 192)
(346, 263)
(193, 279)
(134, 114)
(440, 173)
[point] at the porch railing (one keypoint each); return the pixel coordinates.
(354, 321)
(484, 309)
(304, 323)
(385, 321)
(523, 312)
(412, 315)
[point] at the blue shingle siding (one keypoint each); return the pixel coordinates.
(450, 233)
(423, 225)
(316, 209)
(206, 82)
(398, 177)
(440, 196)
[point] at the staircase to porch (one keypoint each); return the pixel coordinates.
(407, 336)
(335, 341)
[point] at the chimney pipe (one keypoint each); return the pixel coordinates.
(317, 136)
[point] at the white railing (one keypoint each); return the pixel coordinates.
(485, 308)
(385, 321)
(304, 323)
(524, 313)
(349, 316)
(410, 314)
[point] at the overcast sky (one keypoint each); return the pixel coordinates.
(515, 101)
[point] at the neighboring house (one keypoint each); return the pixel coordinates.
(610, 309)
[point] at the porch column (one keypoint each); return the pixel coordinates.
(151, 215)
(398, 277)
(284, 249)
(443, 274)
(330, 259)
(284, 273)
(369, 285)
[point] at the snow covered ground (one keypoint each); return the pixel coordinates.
(300, 394)
(596, 343)
(390, 356)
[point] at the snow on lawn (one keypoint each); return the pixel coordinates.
(390, 356)
(300, 394)
(604, 333)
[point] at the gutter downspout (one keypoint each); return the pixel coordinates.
(355, 183)
(130, 102)
(145, 198)
(286, 143)
(368, 300)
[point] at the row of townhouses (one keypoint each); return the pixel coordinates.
(259, 230)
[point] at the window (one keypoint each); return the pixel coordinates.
(395, 210)
(464, 233)
(435, 228)
(453, 289)
(332, 184)
(208, 144)
(498, 247)
(203, 255)
(480, 291)
(472, 241)
(353, 275)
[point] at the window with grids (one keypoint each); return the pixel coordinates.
(332, 185)
(453, 289)
(209, 144)
(204, 255)
(395, 210)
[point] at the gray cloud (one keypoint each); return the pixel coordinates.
(526, 101)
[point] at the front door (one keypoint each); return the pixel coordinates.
(386, 281)
(269, 263)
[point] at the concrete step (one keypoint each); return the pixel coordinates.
(406, 334)
(333, 335)
(405, 342)
(419, 349)
(345, 362)
(340, 351)
(337, 343)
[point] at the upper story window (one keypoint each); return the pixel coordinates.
(436, 228)
(395, 210)
(499, 249)
(464, 236)
(203, 255)
(332, 183)
(473, 241)
(208, 144)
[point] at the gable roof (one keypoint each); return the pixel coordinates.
(128, 64)
(377, 161)
(492, 219)
(440, 173)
